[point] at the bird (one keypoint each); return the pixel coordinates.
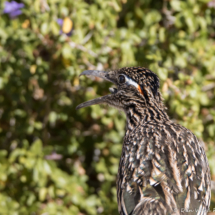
(163, 167)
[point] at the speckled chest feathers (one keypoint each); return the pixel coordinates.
(163, 168)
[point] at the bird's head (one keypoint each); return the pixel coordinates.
(135, 86)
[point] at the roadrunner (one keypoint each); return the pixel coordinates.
(163, 167)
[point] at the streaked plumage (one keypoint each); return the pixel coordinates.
(163, 167)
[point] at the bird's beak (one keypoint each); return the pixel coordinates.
(109, 76)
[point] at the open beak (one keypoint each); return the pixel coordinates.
(109, 76)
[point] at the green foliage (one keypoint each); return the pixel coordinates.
(56, 160)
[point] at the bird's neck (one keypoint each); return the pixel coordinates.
(138, 114)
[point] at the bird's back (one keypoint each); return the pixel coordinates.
(163, 170)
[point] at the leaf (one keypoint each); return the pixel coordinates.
(42, 194)
(66, 51)
(45, 28)
(176, 5)
(36, 147)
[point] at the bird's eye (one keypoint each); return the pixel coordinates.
(121, 79)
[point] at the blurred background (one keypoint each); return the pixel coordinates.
(55, 160)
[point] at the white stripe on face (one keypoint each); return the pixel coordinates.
(131, 82)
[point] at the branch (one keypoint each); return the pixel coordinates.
(82, 48)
